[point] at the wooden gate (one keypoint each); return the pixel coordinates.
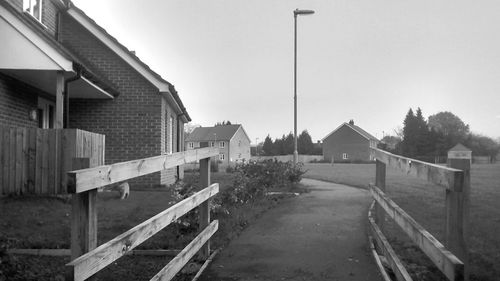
(35, 161)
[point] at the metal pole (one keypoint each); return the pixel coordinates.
(295, 152)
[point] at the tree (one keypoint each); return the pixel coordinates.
(410, 130)
(223, 123)
(268, 147)
(304, 143)
(482, 145)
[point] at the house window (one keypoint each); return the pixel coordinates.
(191, 145)
(171, 135)
(221, 156)
(212, 144)
(345, 156)
(239, 143)
(222, 144)
(239, 155)
(46, 114)
(34, 8)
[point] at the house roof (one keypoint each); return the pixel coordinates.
(77, 65)
(459, 147)
(129, 56)
(224, 132)
(355, 128)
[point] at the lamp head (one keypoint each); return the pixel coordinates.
(302, 12)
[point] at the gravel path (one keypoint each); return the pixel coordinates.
(319, 235)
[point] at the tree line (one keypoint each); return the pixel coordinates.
(425, 139)
(284, 145)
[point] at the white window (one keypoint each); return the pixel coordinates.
(212, 144)
(190, 144)
(239, 143)
(34, 8)
(171, 134)
(222, 144)
(221, 156)
(345, 156)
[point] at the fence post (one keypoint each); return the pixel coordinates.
(204, 207)
(457, 206)
(380, 172)
(83, 217)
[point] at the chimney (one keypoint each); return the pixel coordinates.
(351, 122)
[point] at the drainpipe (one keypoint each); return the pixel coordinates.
(66, 96)
(179, 142)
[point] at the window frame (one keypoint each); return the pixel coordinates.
(28, 7)
(222, 144)
(222, 156)
(345, 156)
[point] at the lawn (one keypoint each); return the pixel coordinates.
(425, 203)
(37, 222)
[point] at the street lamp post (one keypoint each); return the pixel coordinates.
(296, 12)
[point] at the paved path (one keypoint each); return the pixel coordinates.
(319, 235)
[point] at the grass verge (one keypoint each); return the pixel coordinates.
(426, 204)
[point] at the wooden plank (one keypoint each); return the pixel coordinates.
(380, 173)
(177, 263)
(31, 176)
(80, 181)
(84, 218)
(68, 147)
(437, 174)
(204, 209)
(19, 160)
(51, 161)
(25, 160)
(444, 260)
(38, 161)
(59, 114)
(457, 212)
(12, 164)
(395, 263)
(92, 262)
(205, 265)
(40, 252)
(45, 161)
(376, 257)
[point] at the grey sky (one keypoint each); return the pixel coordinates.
(358, 59)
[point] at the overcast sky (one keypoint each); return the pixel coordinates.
(357, 59)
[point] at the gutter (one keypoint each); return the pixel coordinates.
(66, 96)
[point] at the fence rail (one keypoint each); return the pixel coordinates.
(35, 161)
(451, 260)
(89, 259)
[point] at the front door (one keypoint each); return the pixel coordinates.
(46, 113)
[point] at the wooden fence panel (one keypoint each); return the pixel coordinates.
(35, 161)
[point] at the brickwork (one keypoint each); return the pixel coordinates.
(49, 13)
(346, 140)
(132, 122)
(17, 99)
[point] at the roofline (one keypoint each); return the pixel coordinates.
(348, 125)
(241, 127)
(163, 86)
(54, 52)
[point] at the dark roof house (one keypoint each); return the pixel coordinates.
(232, 140)
(349, 143)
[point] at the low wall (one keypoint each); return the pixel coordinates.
(286, 158)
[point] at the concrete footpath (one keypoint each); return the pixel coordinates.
(321, 235)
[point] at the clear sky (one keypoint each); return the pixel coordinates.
(357, 59)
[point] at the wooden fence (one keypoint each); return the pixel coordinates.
(88, 259)
(35, 161)
(451, 260)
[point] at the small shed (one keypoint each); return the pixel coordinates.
(460, 151)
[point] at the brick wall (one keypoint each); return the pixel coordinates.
(49, 13)
(132, 122)
(16, 101)
(345, 140)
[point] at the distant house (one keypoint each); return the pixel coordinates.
(348, 143)
(232, 140)
(60, 70)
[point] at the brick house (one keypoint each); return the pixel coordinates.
(348, 143)
(60, 69)
(232, 140)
